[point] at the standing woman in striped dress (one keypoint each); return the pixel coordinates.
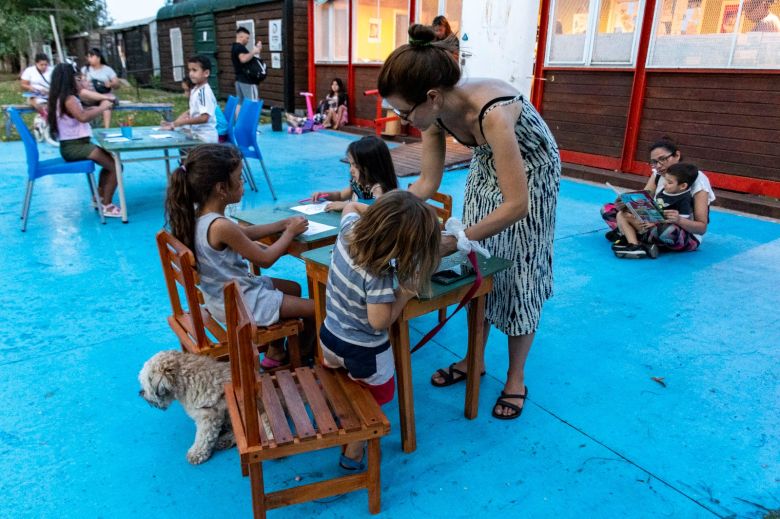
(511, 190)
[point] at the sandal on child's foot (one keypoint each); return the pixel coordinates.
(269, 363)
(348, 464)
(112, 211)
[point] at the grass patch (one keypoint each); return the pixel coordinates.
(11, 93)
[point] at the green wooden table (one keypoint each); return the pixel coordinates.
(143, 140)
(301, 243)
(440, 296)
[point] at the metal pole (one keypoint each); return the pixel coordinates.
(57, 38)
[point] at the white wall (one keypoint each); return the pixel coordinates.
(501, 40)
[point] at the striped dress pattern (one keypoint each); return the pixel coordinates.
(515, 304)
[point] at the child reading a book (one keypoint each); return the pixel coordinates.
(371, 175)
(394, 242)
(675, 196)
(201, 117)
(198, 191)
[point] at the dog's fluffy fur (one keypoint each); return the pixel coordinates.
(197, 382)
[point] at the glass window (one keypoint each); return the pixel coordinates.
(177, 55)
(616, 31)
(427, 10)
(716, 34)
(569, 29)
(379, 26)
(331, 31)
(758, 37)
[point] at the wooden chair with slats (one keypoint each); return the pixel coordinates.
(198, 331)
(292, 412)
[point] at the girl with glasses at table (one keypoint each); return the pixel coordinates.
(371, 173)
(199, 190)
(665, 153)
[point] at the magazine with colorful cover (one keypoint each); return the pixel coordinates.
(642, 205)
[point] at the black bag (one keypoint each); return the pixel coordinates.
(255, 70)
(100, 87)
(276, 119)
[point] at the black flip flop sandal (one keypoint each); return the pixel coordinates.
(451, 376)
(517, 409)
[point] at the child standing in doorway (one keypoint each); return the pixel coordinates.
(371, 175)
(385, 253)
(201, 117)
(207, 181)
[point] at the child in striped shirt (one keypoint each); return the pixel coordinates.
(394, 241)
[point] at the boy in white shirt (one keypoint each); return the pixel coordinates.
(35, 82)
(201, 116)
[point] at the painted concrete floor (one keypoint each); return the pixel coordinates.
(84, 305)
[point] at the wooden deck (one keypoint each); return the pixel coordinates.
(407, 157)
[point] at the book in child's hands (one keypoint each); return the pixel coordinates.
(642, 205)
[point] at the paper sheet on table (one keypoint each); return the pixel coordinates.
(310, 208)
(161, 136)
(316, 228)
(118, 139)
(113, 135)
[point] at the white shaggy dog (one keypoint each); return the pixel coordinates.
(198, 383)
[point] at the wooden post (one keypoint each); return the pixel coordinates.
(537, 87)
(637, 89)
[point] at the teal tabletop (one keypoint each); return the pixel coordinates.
(487, 266)
(266, 215)
(144, 138)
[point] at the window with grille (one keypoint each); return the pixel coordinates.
(716, 34)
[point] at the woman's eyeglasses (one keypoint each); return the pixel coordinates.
(404, 114)
(659, 160)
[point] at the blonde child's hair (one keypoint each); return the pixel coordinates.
(401, 227)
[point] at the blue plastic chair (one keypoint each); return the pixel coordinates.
(37, 168)
(230, 115)
(245, 135)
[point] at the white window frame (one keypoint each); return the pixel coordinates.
(331, 42)
(590, 37)
(439, 10)
(249, 25)
(732, 48)
(178, 68)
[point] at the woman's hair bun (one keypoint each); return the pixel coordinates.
(421, 35)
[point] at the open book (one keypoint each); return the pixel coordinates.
(643, 206)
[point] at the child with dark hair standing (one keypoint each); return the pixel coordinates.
(69, 122)
(676, 195)
(394, 240)
(202, 115)
(222, 130)
(371, 175)
(208, 180)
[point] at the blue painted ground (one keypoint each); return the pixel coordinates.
(84, 305)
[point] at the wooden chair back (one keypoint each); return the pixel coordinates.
(443, 206)
(198, 331)
(191, 324)
(270, 420)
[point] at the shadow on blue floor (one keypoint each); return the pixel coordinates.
(84, 305)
